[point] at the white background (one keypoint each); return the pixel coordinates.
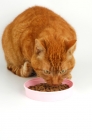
(24, 119)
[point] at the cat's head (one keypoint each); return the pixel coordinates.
(53, 60)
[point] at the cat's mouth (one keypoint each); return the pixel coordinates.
(54, 83)
(52, 80)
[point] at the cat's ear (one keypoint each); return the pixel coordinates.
(39, 49)
(70, 45)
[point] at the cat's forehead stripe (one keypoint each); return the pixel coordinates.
(55, 62)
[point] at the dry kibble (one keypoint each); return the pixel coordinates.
(48, 88)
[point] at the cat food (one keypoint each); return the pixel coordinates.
(48, 88)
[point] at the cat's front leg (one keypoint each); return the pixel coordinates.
(27, 70)
(24, 70)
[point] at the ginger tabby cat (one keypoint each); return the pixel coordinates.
(40, 40)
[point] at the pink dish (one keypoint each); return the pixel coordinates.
(47, 96)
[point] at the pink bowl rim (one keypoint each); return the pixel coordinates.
(37, 78)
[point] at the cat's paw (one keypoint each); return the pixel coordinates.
(26, 69)
(27, 66)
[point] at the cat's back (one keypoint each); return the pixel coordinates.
(35, 12)
(41, 17)
(35, 20)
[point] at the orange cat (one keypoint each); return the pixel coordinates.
(40, 40)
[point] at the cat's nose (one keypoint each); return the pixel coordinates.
(55, 81)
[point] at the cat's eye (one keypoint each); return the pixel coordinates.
(62, 71)
(46, 71)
